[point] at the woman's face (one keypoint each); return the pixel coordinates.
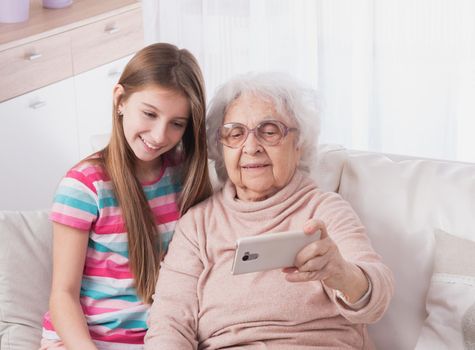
(154, 120)
(258, 171)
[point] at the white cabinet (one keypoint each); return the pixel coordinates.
(39, 142)
(45, 132)
(94, 102)
(57, 71)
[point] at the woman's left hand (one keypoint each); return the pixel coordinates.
(321, 260)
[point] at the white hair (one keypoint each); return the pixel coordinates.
(289, 96)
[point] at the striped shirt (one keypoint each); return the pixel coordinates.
(85, 201)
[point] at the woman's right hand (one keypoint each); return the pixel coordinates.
(321, 260)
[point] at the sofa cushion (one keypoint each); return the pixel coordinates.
(400, 203)
(451, 299)
(329, 165)
(25, 279)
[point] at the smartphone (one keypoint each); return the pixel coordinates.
(269, 251)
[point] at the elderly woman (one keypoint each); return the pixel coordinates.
(262, 139)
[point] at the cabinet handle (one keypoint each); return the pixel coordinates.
(37, 104)
(33, 56)
(112, 30)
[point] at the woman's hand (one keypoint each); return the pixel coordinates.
(321, 261)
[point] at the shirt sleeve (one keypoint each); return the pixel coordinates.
(348, 233)
(75, 203)
(173, 320)
(359, 303)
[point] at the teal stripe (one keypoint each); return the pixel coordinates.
(107, 289)
(166, 238)
(127, 324)
(105, 192)
(108, 202)
(164, 181)
(124, 320)
(107, 198)
(160, 191)
(96, 295)
(161, 188)
(125, 317)
(73, 192)
(75, 203)
(120, 248)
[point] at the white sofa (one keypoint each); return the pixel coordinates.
(420, 216)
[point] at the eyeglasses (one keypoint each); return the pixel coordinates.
(268, 132)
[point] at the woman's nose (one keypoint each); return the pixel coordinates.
(252, 144)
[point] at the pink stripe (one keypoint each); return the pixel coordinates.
(95, 173)
(107, 264)
(107, 272)
(94, 310)
(73, 212)
(108, 229)
(128, 336)
(110, 256)
(110, 219)
(47, 322)
(115, 304)
(70, 221)
(166, 218)
(74, 174)
(111, 211)
(163, 200)
(113, 224)
(165, 207)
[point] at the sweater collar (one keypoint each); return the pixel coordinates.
(280, 199)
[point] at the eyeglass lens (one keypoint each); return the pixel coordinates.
(268, 132)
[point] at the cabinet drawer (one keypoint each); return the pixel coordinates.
(40, 143)
(106, 40)
(33, 65)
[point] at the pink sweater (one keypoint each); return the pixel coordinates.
(200, 305)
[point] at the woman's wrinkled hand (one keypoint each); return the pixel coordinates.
(321, 261)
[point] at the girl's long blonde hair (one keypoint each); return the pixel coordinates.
(169, 67)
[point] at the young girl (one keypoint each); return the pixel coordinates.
(114, 213)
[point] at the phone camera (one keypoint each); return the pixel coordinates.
(248, 256)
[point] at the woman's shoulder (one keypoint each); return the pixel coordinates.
(203, 209)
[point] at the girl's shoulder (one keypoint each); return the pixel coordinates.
(89, 173)
(88, 170)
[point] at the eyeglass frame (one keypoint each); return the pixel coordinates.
(280, 125)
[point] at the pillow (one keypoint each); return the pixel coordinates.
(400, 202)
(327, 170)
(451, 298)
(25, 277)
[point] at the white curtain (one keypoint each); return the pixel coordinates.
(394, 76)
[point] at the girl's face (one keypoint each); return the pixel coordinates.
(154, 120)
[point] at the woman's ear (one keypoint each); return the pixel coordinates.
(118, 93)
